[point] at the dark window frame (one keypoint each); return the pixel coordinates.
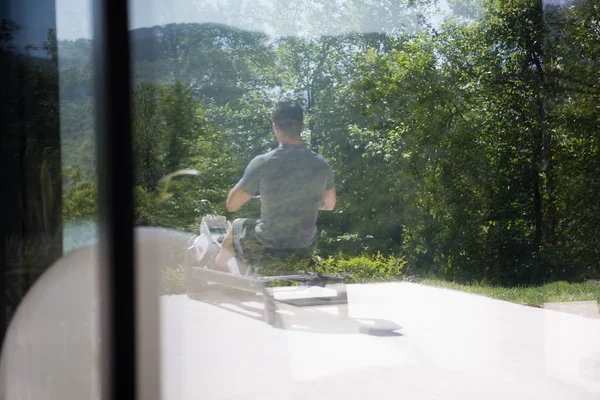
(115, 183)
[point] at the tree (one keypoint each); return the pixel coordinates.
(148, 142)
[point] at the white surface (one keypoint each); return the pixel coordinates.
(452, 345)
(589, 309)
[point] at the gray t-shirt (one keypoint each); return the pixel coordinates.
(291, 180)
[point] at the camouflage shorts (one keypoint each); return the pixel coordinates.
(249, 248)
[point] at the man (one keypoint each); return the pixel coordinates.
(293, 182)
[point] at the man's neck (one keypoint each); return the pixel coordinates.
(297, 140)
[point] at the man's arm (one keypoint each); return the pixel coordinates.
(329, 199)
(236, 198)
(246, 187)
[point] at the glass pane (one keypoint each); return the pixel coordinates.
(31, 217)
(80, 209)
(462, 136)
(48, 213)
(461, 139)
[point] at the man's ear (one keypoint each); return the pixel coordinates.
(276, 130)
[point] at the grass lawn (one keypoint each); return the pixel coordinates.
(534, 296)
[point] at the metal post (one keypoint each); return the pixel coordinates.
(115, 185)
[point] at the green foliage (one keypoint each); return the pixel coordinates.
(377, 268)
(80, 197)
(469, 151)
(465, 122)
(364, 268)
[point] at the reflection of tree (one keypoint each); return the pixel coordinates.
(31, 212)
(437, 136)
(320, 17)
(7, 34)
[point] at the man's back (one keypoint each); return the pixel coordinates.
(294, 184)
(291, 181)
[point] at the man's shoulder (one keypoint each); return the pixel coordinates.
(268, 154)
(308, 157)
(261, 158)
(320, 159)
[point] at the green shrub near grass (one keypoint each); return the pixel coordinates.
(364, 268)
(378, 268)
(361, 269)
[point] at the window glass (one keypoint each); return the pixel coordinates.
(78, 138)
(31, 217)
(462, 136)
(333, 198)
(48, 308)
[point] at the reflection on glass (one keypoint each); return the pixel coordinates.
(463, 137)
(30, 172)
(78, 140)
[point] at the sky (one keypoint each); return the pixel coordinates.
(74, 19)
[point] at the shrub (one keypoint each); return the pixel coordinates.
(360, 269)
(364, 268)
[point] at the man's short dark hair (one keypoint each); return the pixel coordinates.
(288, 115)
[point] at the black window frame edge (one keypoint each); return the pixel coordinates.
(112, 84)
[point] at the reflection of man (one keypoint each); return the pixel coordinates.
(293, 182)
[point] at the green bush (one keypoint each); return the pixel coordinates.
(360, 269)
(364, 268)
